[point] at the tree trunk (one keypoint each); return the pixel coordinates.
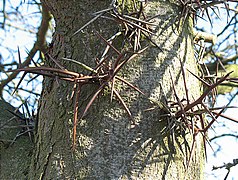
(109, 145)
(15, 151)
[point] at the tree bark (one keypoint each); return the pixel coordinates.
(108, 145)
(15, 157)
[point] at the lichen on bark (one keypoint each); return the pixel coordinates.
(108, 145)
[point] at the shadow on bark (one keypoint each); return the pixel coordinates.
(120, 150)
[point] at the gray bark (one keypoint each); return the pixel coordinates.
(108, 146)
(15, 157)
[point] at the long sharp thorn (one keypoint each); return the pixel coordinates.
(53, 70)
(74, 90)
(19, 57)
(109, 44)
(27, 109)
(110, 40)
(92, 99)
(191, 152)
(115, 65)
(184, 81)
(76, 105)
(124, 104)
(89, 22)
(102, 11)
(209, 18)
(204, 144)
(227, 117)
(15, 114)
(176, 96)
(208, 142)
(32, 79)
(139, 20)
(210, 113)
(112, 89)
(200, 99)
(80, 64)
(149, 38)
(129, 84)
(135, 25)
(117, 68)
(28, 53)
(203, 134)
(56, 62)
(24, 74)
(200, 79)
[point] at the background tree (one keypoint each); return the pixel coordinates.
(125, 139)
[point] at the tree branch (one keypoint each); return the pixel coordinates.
(40, 45)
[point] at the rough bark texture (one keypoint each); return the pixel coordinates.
(15, 157)
(108, 146)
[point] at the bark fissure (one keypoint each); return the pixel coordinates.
(109, 146)
(46, 163)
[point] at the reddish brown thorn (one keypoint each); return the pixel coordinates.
(112, 88)
(203, 134)
(39, 72)
(200, 99)
(115, 64)
(124, 105)
(184, 81)
(134, 24)
(74, 89)
(200, 79)
(56, 62)
(129, 84)
(92, 99)
(227, 117)
(117, 68)
(214, 118)
(100, 64)
(42, 70)
(109, 44)
(205, 141)
(76, 105)
(191, 152)
(177, 98)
